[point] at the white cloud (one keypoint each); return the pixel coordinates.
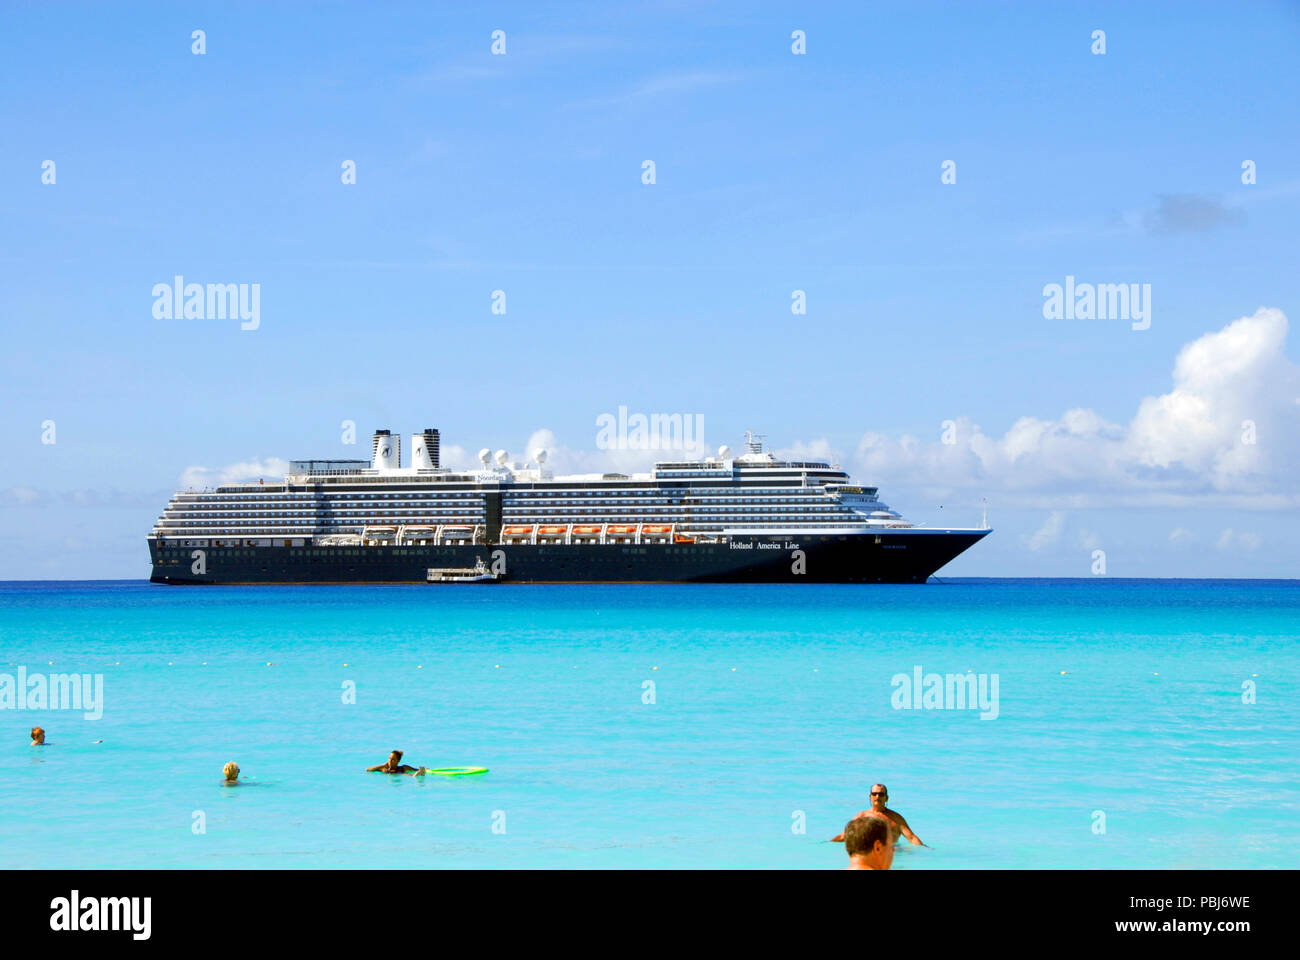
(814, 450)
(563, 459)
(199, 478)
(1229, 539)
(1188, 447)
(1048, 533)
(1182, 446)
(93, 497)
(1181, 535)
(682, 81)
(528, 55)
(456, 458)
(560, 459)
(668, 84)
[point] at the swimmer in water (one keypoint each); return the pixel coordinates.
(869, 843)
(231, 773)
(395, 765)
(38, 737)
(880, 794)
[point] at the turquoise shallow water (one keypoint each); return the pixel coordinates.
(772, 707)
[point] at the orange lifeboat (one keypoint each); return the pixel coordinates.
(552, 531)
(622, 529)
(517, 531)
(587, 530)
(681, 539)
(657, 528)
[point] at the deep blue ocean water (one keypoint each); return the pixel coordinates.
(773, 710)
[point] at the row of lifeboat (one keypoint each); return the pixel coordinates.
(592, 533)
(413, 535)
(421, 535)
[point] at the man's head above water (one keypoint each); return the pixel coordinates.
(868, 844)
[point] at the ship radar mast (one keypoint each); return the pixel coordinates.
(754, 441)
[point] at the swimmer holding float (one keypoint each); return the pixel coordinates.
(394, 765)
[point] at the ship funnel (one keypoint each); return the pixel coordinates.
(424, 450)
(387, 451)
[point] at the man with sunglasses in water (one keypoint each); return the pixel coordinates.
(880, 794)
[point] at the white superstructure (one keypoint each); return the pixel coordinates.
(382, 502)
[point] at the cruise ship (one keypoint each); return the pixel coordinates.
(724, 518)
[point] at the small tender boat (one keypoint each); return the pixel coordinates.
(479, 573)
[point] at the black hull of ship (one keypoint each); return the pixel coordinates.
(910, 557)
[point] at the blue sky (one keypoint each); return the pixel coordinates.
(775, 172)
